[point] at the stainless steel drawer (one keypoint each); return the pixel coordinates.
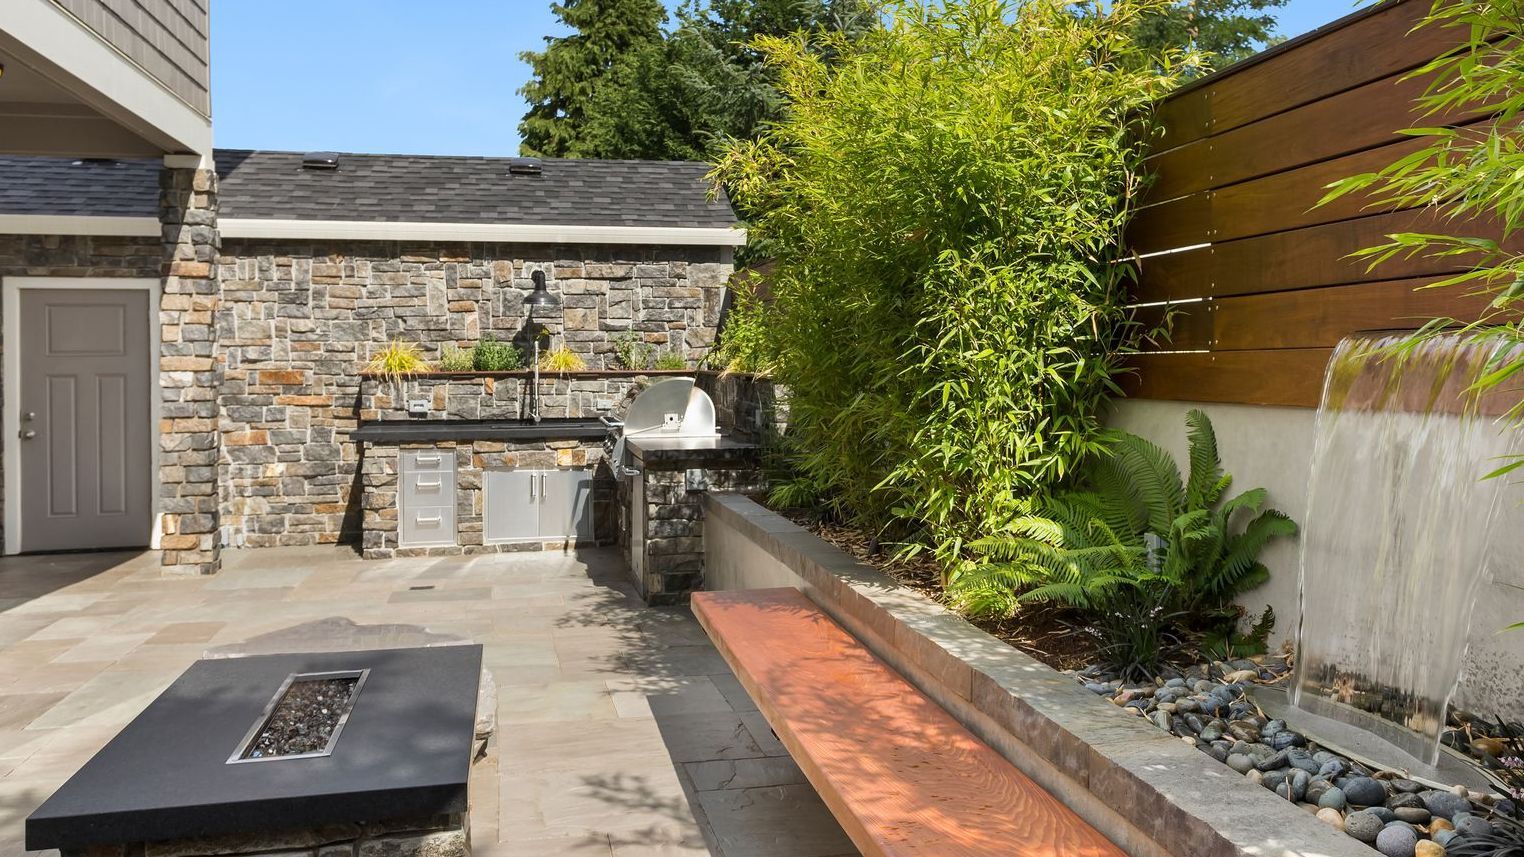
(426, 526)
(428, 488)
(418, 460)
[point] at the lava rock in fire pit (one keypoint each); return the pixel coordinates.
(304, 719)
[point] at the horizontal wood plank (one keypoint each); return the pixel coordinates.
(1290, 377)
(900, 774)
(1283, 201)
(1313, 318)
(1376, 45)
(1362, 118)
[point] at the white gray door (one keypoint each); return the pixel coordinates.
(85, 440)
(566, 510)
(512, 505)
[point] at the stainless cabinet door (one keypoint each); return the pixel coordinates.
(566, 510)
(511, 506)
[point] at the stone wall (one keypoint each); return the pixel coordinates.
(299, 320)
(747, 407)
(192, 488)
(504, 396)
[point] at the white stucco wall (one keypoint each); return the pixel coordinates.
(1271, 447)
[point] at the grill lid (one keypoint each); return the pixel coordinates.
(671, 407)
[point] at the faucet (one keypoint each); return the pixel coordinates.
(537, 299)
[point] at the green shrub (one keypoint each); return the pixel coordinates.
(744, 342)
(669, 361)
(453, 358)
(490, 355)
(632, 352)
(946, 199)
(1136, 543)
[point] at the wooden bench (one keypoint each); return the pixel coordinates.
(900, 774)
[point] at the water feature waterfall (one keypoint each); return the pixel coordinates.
(1396, 538)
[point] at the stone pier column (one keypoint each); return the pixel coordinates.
(189, 372)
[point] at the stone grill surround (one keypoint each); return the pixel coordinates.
(299, 319)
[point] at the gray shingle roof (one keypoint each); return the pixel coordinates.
(405, 188)
(68, 186)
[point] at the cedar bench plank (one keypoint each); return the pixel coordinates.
(900, 774)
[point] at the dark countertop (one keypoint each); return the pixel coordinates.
(666, 452)
(405, 752)
(412, 431)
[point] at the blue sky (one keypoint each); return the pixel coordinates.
(400, 76)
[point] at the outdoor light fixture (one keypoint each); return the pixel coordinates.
(539, 298)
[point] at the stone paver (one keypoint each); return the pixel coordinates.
(621, 732)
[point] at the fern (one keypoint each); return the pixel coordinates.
(1135, 533)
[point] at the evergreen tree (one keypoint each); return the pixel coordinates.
(705, 82)
(567, 72)
(1224, 31)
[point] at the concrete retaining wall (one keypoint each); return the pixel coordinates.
(1145, 790)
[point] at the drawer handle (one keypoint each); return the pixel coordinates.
(428, 459)
(432, 520)
(434, 484)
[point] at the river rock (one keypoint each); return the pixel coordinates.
(1241, 675)
(1332, 798)
(1188, 706)
(1412, 814)
(1099, 687)
(1255, 777)
(1439, 824)
(1444, 804)
(1218, 750)
(1302, 759)
(1330, 768)
(1429, 849)
(1212, 731)
(1175, 682)
(1332, 818)
(1399, 801)
(1287, 738)
(1467, 824)
(1161, 720)
(1274, 762)
(1363, 826)
(1272, 779)
(1243, 731)
(1240, 763)
(1260, 751)
(1399, 840)
(1295, 786)
(1407, 786)
(1272, 728)
(1364, 791)
(1381, 812)
(1489, 747)
(1444, 838)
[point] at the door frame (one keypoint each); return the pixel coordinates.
(10, 341)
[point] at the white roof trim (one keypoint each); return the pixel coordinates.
(362, 230)
(76, 224)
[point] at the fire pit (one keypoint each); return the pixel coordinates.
(283, 752)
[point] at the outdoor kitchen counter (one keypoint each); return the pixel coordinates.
(660, 452)
(425, 430)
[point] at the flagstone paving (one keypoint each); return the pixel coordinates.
(620, 730)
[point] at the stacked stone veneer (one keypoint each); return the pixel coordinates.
(299, 320)
(665, 545)
(439, 836)
(190, 373)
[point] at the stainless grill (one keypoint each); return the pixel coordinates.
(671, 407)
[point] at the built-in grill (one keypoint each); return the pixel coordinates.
(669, 408)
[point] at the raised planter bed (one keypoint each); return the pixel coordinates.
(1147, 791)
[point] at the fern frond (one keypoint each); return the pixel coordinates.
(1156, 478)
(1205, 484)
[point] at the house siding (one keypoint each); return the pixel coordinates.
(168, 39)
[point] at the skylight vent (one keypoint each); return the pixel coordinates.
(524, 166)
(320, 161)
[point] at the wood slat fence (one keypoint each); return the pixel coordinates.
(1264, 273)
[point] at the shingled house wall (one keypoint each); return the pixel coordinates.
(299, 318)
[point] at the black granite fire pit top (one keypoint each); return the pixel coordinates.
(405, 751)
